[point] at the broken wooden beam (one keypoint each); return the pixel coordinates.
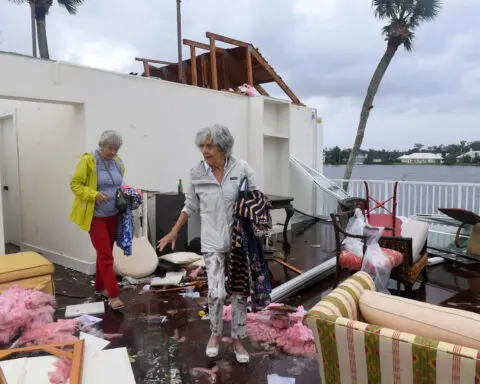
(227, 40)
(199, 45)
(193, 61)
(276, 76)
(213, 64)
(261, 90)
(155, 61)
(249, 66)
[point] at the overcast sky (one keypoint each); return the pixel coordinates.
(325, 50)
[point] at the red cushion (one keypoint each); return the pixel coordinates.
(352, 261)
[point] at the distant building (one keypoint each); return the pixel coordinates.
(377, 161)
(470, 155)
(422, 158)
(360, 159)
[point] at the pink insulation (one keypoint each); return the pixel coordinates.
(27, 316)
(23, 310)
(276, 326)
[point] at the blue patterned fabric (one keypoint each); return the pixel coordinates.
(125, 227)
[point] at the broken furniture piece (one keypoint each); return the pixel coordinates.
(220, 68)
(58, 350)
(466, 218)
(29, 270)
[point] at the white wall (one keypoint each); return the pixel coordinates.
(158, 120)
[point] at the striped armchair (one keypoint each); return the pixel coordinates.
(352, 351)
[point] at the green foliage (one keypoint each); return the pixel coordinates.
(336, 155)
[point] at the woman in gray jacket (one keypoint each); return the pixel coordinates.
(213, 190)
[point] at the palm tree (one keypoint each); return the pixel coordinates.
(40, 9)
(403, 17)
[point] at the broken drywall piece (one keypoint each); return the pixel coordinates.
(95, 372)
(93, 344)
(276, 379)
(90, 320)
(95, 308)
(31, 370)
(171, 278)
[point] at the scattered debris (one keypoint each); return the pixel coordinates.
(95, 308)
(210, 373)
(275, 379)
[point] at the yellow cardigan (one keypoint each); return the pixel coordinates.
(84, 187)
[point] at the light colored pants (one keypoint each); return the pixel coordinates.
(215, 265)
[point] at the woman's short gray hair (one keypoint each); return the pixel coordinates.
(220, 135)
(110, 137)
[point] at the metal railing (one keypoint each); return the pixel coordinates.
(413, 197)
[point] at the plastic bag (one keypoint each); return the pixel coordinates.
(355, 226)
(375, 262)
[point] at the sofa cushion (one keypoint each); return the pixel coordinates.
(352, 261)
(181, 258)
(20, 266)
(430, 321)
(142, 262)
(418, 232)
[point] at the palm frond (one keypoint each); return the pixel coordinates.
(71, 5)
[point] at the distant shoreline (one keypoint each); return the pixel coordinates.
(411, 165)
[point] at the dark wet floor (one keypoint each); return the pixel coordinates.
(174, 351)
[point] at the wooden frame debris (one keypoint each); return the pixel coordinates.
(221, 68)
(76, 356)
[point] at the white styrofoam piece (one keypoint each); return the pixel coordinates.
(14, 370)
(95, 371)
(85, 309)
(31, 370)
(93, 345)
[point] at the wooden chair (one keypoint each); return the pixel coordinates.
(404, 269)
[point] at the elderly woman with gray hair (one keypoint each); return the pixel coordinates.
(214, 187)
(95, 183)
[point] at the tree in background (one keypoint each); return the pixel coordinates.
(403, 17)
(39, 11)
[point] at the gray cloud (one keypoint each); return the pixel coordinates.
(326, 51)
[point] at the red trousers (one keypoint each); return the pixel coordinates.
(102, 234)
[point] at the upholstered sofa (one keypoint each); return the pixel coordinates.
(351, 350)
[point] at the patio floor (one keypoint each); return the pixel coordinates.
(159, 358)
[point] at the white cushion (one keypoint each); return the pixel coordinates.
(181, 258)
(405, 315)
(418, 232)
(143, 261)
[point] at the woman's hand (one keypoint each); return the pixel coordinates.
(100, 198)
(170, 238)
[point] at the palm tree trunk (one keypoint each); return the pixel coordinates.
(34, 29)
(40, 16)
(368, 105)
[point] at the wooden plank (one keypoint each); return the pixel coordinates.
(213, 64)
(227, 40)
(249, 66)
(57, 350)
(224, 72)
(197, 44)
(203, 65)
(261, 90)
(146, 69)
(287, 265)
(275, 76)
(155, 61)
(193, 60)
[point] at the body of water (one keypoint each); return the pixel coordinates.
(430, 173)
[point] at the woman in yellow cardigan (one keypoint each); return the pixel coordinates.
(97, 177)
